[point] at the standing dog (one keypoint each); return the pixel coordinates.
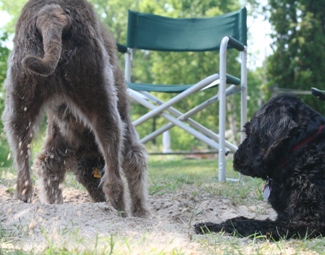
(285, 146)
(65, 63)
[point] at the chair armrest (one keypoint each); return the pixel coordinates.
(121, 48)
(320, 94)
(236, 44)
(232, 80)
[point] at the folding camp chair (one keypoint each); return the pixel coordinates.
(158, 33)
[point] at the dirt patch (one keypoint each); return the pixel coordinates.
(83, 225)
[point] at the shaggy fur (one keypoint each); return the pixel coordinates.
(285, 145)
(65, 63)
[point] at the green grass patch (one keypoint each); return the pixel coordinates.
(174, 175)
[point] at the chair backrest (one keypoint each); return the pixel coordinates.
(153, 32)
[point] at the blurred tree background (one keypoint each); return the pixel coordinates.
(298, 45)
(4, 53)
(296, 61)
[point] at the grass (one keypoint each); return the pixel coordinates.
(168, 176)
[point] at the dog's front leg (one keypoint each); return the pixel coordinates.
(50, 166)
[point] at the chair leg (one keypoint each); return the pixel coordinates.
(222, 109)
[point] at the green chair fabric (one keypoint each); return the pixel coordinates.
(153, 32)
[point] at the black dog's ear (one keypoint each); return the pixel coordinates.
(278, 128)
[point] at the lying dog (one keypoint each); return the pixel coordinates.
(65, 63)
(285, 146)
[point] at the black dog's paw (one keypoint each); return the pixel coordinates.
(207, 227)
(239, 226)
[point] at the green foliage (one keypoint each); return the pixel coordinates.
(4, 53)
(13, 8)
(299, 39)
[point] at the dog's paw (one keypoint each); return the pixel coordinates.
(122, 214)
(114, 193)
(207, 227)
(140, 212)
(24, 191)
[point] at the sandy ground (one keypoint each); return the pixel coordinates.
(82, 225)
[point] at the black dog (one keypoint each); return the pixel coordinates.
(285, 146)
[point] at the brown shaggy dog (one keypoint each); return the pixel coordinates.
(64, 62)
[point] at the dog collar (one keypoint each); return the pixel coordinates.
(299, 145)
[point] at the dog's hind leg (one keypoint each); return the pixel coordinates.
(135, 156)
(20, 139)
(103, 119)
(108, 131)
(19, 120)
(135, 169)
(50, 166)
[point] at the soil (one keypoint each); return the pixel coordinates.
(82, 225)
